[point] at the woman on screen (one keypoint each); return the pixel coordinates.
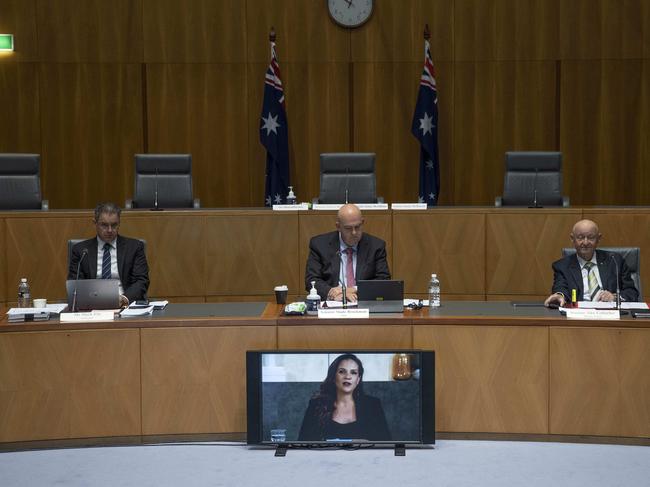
(340, 409)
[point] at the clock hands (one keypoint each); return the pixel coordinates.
(349, 2)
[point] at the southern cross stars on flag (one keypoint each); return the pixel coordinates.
(274, 134)
(425, 129)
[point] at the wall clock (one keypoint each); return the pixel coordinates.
(350, 13)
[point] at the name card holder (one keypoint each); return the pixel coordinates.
(340, 313)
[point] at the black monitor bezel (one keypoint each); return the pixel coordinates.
(254, 397)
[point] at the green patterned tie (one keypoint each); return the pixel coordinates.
(592, 280)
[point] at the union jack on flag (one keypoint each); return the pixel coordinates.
(425, 129)
(274, 134)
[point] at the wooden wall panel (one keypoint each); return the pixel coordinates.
(494, 114)
(449, 244)
(317, 100)
(351, 337)
(44, 261)
(599, 382)
(175, 252)
(506, 29)
(377, 223)
(303, 28)
(197, 108)
(605, 29)
(3, 262)
(627, 230)
(384, 102)
(605, 120)
(489, 378)
(194, 31)
(92, 125)
(90, 31)
(19, 18)
(394, 32)
(250, 255)
(521, 246)
(20, 126)
(194, 379)
(74, 384)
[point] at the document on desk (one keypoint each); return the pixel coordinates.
(139, 311)
(611, 305)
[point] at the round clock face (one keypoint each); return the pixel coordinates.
(350, 13)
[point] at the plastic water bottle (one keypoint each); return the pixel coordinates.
(24, 294)
(291, 197)
(313, 300)
(434, 291)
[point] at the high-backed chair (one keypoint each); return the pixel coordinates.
(631, 256)
(165, 179)
(532, 179)
(20, 182)
(348, 172)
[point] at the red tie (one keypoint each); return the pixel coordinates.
(349, 269)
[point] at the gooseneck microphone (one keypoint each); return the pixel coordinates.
(347, 184)
(535, 204)
(84, 252)
(344, 300)
(618, 285)
(155, 193)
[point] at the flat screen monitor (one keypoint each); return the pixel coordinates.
(306, 398)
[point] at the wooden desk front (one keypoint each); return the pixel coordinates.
(159, 376)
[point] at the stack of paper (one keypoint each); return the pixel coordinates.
(27, 314)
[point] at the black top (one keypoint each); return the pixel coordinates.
(370, 425)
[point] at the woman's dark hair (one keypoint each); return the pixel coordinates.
(327, 394)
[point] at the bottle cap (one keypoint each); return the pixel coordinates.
(312, 292)
(23, 279)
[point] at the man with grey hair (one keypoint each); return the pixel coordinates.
(112, 256)
(589, 271)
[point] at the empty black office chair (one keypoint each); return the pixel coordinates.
(348, 172)
(532, 179)
(20, 182)
(632, 257)
(163, 181)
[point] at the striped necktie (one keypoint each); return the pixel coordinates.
(594, 287)
(106, 262)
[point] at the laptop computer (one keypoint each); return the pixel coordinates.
(381, 296)
(94, 294)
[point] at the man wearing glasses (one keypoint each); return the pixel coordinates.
(112, 256)
(591, 272)
(348, 254)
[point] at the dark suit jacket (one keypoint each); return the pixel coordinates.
(323, 263)
(567, 276)
(371, 421)
(131, 265)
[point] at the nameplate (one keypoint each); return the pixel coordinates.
(296, 207)
(340, 313)
(592, 314)
(87, 316)
(408, 206)
(336, 206)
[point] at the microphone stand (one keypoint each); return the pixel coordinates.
(155, 194)
(535, 204)
(84, 252)
(344, 288)
(618, 288)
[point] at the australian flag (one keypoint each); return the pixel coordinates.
(425, 129)
(274, 135)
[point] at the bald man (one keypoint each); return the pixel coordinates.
(573, 271)
(345, 252)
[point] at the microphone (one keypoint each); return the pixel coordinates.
(347, 181)
(618, 286)
(535, 204)
(155, 193)
(344, 300)
(84, 253)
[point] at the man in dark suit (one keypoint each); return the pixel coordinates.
(346, 252)
(112, 256)
(591, 272)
